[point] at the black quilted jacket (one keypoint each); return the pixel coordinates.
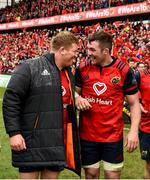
(32, 106)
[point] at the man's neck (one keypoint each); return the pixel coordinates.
(106, 62)
(58, 62)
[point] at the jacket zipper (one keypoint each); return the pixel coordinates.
(36, 122)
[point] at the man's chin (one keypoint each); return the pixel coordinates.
(93, 62)
(71, 64)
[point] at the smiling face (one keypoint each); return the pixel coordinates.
(65, 47)
(96, 54)
(69, 55)
(141, 67)
(99, 47)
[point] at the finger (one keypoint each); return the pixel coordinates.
(128, 148)
(88, 105)
(16, 147)
(20, 147)
(80, 107)
(24, 144)
(85, 107)
(131, 147)
(135, 145)
(77, 106)
(13, 148)
(126, 142)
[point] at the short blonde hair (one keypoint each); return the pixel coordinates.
(63, 39)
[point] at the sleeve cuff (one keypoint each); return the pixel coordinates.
(131, 92)
(13, 133)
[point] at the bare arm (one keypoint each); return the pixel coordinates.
(132, 140)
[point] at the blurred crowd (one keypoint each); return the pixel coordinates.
(131, 43)
(30, 9)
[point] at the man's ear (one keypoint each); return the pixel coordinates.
(62, 51)
(106, 51)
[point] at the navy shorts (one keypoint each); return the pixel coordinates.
(144, 145)
(93, 152)
(33, 169)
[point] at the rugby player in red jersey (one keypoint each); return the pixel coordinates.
(102, 83)
(143, 79)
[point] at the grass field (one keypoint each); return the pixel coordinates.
(133, 165)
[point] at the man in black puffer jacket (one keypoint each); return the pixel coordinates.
(39, 115)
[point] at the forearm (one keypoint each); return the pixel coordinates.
(135, 116)
(77, 91)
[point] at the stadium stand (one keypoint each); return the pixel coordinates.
(25, 9)
(132, 38)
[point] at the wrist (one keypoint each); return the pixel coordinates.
(13, 133)
(134, 130)
(76, 95)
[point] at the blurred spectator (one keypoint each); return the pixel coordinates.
(140, 66)
(44, 8)
(132, 42)
(131, 63)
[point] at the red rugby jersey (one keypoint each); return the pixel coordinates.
(66, 95)
(105, 89)
(144, 86)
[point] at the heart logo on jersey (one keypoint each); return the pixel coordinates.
(99, 88)
(63, 90)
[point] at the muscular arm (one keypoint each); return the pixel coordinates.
(132, 138)
(130, 89)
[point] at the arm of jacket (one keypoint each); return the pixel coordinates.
(14, 98)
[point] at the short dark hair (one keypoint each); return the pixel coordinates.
(130, 60)
(105, 39)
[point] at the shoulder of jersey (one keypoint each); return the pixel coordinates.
(121, 66)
